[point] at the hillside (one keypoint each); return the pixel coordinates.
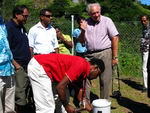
(128, 10)
(142, 9)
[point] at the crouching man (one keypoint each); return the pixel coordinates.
(64, 69)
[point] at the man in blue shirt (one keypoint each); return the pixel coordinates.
(7, 79)
(80, 49)
(18, 41)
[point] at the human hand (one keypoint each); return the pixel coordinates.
(59, 34)
(85, 104)
(16, 65)
(83, 25)
(114, 61)
(70, 109)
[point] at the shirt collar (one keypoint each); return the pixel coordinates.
(93, 22)
(39, 25)
(14, 23)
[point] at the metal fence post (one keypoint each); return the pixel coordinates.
(72, 29)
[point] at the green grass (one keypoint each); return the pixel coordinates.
(132, 100)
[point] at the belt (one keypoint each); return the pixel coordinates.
(36, 53)
(90, 52)
(42, 54)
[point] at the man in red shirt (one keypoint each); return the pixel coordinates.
(64, 69)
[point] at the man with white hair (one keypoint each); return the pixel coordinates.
(101, 37)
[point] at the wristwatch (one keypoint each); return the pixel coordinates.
(114, 58)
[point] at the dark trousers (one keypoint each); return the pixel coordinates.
(23, 94)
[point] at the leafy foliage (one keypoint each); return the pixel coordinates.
(76, 10)
(122, 10)
(7, 6)
(118, 10)
(59, 7)
(27, 2)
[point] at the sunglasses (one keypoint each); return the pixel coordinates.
(25, 16)
(48, 16)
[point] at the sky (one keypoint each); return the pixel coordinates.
(147, 2)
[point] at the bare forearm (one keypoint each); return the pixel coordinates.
(115, 41)
(61, 90)
(83, 26)
(31, 51)
(68, 43)
(62, 95)
(82, 36)
(16, 65)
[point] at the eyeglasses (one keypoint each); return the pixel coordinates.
(48, 16)
(25, 16)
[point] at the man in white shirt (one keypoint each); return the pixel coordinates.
(42, 36)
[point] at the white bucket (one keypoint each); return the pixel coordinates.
(101, 106)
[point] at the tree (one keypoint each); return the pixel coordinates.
(6, 8)
(59, 7)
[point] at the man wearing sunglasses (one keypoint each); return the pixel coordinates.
(42, 36)
(18, 41)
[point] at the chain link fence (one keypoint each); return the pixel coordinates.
(129, 48)
(129, 45)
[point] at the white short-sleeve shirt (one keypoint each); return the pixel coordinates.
(42, 40)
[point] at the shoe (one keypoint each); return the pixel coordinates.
(144, 90)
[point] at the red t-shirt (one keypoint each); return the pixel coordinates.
(59, 65)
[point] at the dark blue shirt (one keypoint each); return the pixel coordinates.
(18, 42)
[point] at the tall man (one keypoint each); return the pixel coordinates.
(145, 41)
(65, 70)
(42, 36)
(101, 37)
(18, 41)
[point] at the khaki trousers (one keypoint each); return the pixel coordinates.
(105, 79)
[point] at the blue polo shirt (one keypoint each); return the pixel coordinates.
(18, 42)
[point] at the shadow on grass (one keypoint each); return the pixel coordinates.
(133, 84)
(135, 107)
